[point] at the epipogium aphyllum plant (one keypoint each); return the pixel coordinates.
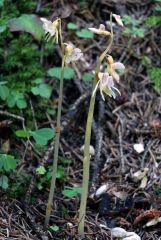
(103, 81)
(69, 54)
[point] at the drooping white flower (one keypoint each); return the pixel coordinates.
(112, 66)
(106, 85)
(51, 28)
(101, 30)
(118, 19)
(72, 54)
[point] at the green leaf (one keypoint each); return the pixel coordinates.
(27, 23)
(41, 170)
(87, 77)
(84, 33)
(3, 28)
(43, 135)
(72, 26)
(60, 172)
(153, 21)
(51, 111)
(16, 98)
(11, 101)
(38, 81)
(157, 8)
(1, 3)
(56, 72)
(4, 92)
(71, 192)
(154, 74)
(3, 82)
(128, 20)
(54, 228)
(139, 32)
(4, 182)
(7, 162)
(21, 103)
(44, 90)
(23, 133)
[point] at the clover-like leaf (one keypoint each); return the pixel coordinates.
(43, 135)
(7, 162)
(84, 33)
(56, 72)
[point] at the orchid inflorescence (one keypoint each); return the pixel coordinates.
(103, 80)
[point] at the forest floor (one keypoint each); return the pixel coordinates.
(131, 198)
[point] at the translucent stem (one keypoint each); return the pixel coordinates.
(86, 159)
(57, 140)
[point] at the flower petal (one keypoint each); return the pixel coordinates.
(76, 54)
(95, 30)
(118, 19)
(107, 81)
(48, 26)
(118, 65)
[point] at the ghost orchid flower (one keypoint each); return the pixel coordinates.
(101, 30)
(51, 28)
(106, 85)
(112, 66)
(72, 54)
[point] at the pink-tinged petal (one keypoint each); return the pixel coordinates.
(75, 55)
(118, 65)
(107, 81)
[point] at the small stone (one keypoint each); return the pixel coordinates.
(101, 190)
(138, 147)
(131, 236)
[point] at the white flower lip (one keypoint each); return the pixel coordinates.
(106, 85)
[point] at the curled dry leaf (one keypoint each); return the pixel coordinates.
(149, 214)
(121, 195)
(139, 175)
(143, 182)
(153, 222)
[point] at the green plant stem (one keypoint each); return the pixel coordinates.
(57, 139)
(86, 159)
